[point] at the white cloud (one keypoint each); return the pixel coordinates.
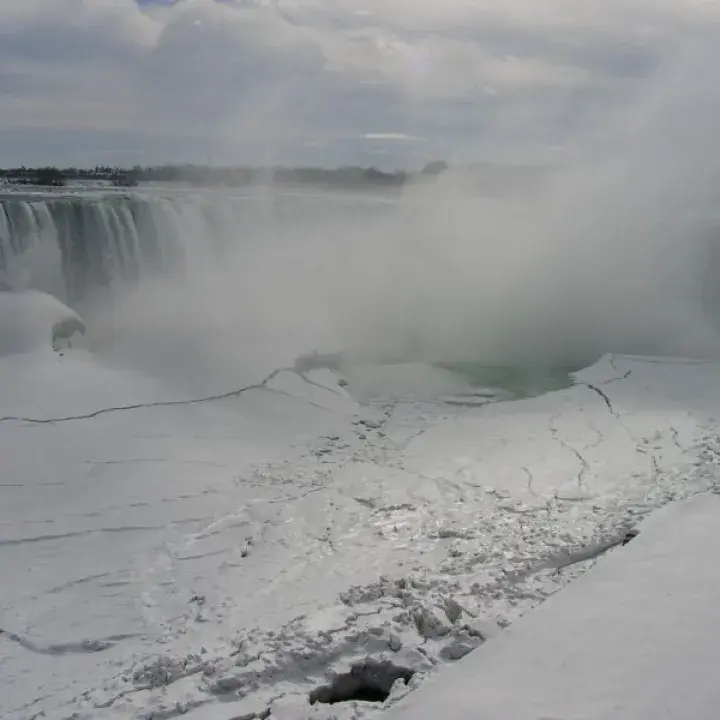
(274, 79)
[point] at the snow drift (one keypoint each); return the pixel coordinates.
(631, 640)
(31, 320)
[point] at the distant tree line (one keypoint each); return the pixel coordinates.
(203, 175)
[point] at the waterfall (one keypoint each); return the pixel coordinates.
(75, 246)
(89, 244)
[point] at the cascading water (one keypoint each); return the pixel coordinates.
(76, 246)
(72, 246)
(142, 266)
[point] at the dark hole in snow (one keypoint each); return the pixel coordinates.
(370, 681)
(631, 534)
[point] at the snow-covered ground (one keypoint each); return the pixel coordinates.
(631, 640)
(236, 557)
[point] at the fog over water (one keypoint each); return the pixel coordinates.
(611, 254)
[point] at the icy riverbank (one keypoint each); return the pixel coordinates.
(225, 564)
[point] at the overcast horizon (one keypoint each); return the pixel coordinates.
(390, 83)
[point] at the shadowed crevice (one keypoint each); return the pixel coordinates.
(369, 681)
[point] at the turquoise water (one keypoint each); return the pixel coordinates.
(519, 381)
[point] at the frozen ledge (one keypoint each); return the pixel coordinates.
(633, 639)
(613, 368)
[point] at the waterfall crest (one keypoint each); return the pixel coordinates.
(73, 246)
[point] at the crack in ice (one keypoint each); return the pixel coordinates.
(676, 438)
(261, 385)
(624, 376)
(70, 648)
(584, 465)
(530, 481)
(604, 397)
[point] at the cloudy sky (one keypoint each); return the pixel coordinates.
(387, 82)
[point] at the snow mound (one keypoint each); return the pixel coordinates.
(30, 320)
(631, 640)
